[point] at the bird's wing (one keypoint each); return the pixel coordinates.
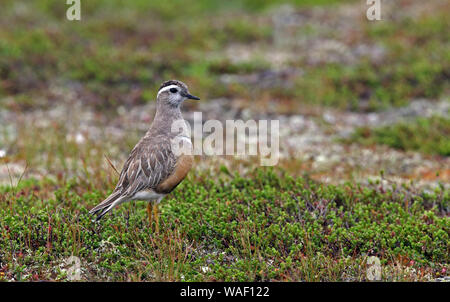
(150, 163)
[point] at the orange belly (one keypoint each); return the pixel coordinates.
(182, 167)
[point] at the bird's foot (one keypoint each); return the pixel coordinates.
(149, 213)
(156, 217)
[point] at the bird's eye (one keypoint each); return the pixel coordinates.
(173, 90)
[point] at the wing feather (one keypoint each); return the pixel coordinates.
(149, 164)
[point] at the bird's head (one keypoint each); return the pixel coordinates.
(173, 93)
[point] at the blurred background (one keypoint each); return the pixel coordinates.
(354, 97)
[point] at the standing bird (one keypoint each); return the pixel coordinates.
(154, 167)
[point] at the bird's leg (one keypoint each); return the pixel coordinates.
(149, 213)
(156, 216)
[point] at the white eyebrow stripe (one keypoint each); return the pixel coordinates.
(167, 88)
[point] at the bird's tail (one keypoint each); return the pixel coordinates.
(106, 205)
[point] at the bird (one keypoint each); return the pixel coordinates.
(154, 167)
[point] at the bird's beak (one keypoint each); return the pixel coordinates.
(191, 97)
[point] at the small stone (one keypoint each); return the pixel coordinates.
(205, 269)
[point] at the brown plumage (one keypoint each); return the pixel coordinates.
(182, 167)
(154, 168)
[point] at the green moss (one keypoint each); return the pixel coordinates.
(428, 135)
(266, 227)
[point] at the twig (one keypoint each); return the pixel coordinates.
(111, 164)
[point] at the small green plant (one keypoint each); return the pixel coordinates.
(263, 227)
(428, 135)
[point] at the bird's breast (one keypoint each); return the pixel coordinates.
(181, 169)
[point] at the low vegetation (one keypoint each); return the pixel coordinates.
(108, 54)
(269, 227)
(427, 135)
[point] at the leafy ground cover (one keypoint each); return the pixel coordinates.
(266, 227)
(429, 135)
